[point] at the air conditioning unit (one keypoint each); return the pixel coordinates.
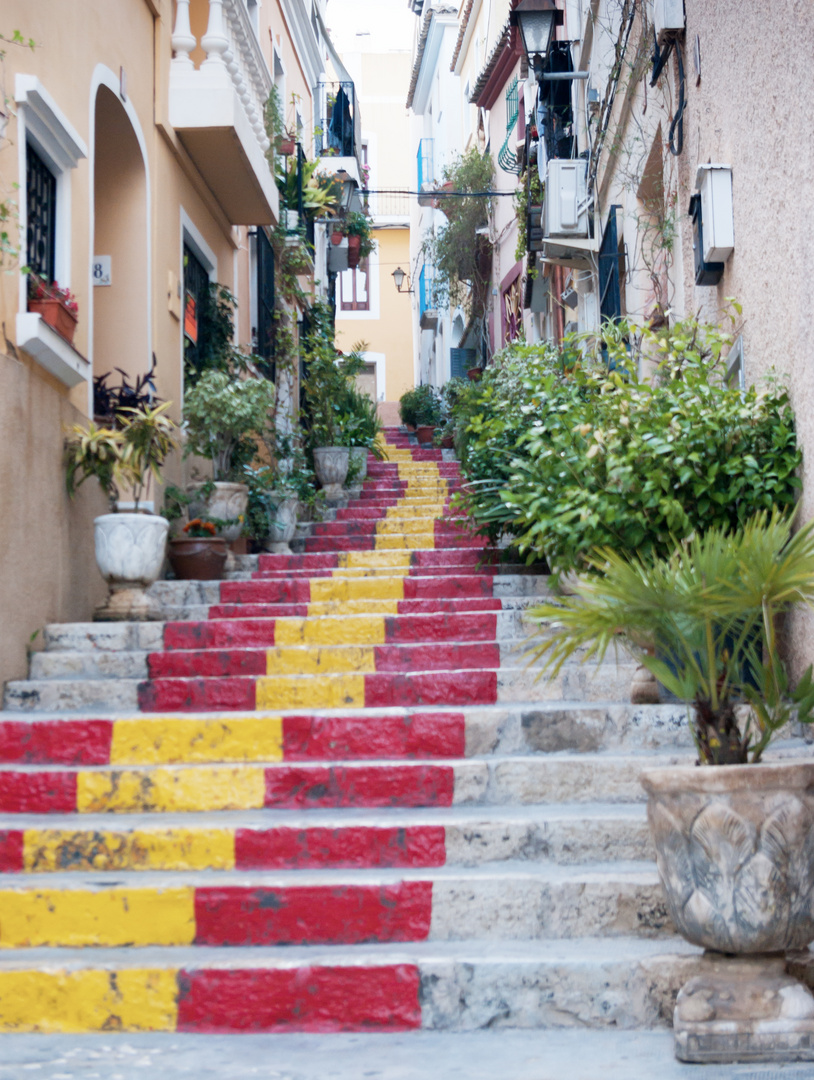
(566, 198)
(668, 18)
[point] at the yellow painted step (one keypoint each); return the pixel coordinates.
(37, 918)
(320, 660)
(331, 630)
(405, 525)
(129, 999)
(355, 559)
(315, 692)
(166, 740)
(57, 850)
(353, 607)
(170, 789)
(323, 589)
(412, 542)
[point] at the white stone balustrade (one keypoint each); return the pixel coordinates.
(228, 90)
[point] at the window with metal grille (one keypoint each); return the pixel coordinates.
(196, 297)
(354, 288)
(41, 202)
(264, 347)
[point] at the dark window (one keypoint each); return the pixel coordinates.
(610, 297)
(196, 298)
(265, 304)
(41, 200)
(354, 288)
(460, 361)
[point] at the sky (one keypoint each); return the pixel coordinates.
(370, 25)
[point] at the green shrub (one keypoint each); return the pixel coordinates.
(420, 406)
(223, 418)
(568, 455)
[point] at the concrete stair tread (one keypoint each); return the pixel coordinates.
(587, 952)
(346, 817)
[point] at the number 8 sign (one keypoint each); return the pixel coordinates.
(101, 270)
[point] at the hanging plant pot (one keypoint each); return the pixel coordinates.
(354, 250)
(337, 237)
(56, 315)
(287, 147)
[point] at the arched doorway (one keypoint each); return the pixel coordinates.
(121, 331)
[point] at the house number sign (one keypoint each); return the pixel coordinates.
(101, 270)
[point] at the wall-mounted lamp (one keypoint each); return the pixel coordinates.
(399, 276)
(536, 19)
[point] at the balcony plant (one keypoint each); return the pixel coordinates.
(129, 546)
(56, 305)
(733, 837)
(357, 227)
(224, 416)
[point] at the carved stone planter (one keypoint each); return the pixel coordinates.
(129, 553)
(331, 466)
(282, 521)
(735, 852)
(227, 502)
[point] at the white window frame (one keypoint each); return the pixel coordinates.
(374, 311)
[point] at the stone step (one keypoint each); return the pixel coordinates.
(566, 835)
(55, 739)
(520, 779)
(618, 983)
(528, 901)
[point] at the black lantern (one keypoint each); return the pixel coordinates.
(536, 20)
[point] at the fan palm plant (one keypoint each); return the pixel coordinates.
(705, 620)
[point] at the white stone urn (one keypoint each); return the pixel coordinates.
(227, 502)
(735, 853)
(282, 515)
(129, 553)
(331, 466)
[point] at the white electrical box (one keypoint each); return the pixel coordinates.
(668, 18)
(566, 198)
(714, 185)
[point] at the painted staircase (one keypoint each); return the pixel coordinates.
(331, 796)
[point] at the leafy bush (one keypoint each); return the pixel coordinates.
(420, 406)
(570, 451)
(223, 417)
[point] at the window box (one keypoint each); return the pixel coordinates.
(51, 350)
(57, 315)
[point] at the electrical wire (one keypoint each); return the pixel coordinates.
(676, 141)
(439, 194)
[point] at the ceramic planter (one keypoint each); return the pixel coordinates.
(331, 466)
(354, 251)
(57, 315)
(424, 434)
(227, 502)
(129, 553)
(735, 853)
(198, 558)
(282, 517)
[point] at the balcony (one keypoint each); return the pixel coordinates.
(427, 301)
(218, 88)
(338, 134)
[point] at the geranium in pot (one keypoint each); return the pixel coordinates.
(198, 553)
(734, 838)
(224, 415)
(56, 305)
(129, 546)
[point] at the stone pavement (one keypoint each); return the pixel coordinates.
(478, 1055)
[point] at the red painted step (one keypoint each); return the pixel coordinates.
(315, 999)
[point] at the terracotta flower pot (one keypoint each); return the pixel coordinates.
(198, 558)
(54, 312)
(474, 374)
(354, 249)
(447, 443)
(424, 434)
(337, 238)
(287, 147)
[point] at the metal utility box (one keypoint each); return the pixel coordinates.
(668, 18)
(706, 273)
(566, 201)
(714, 184)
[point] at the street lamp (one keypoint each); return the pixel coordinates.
(536, 19)
(399, 276)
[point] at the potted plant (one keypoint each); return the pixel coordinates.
(422, 410)
(357, 227)
(198, 554)
(325, 392)
(129, 546)
(223, 417)
(57, 306)
(733, 838)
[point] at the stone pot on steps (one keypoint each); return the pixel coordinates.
(227, 502)
(331, 466)
(282, 517)
(129, 553)
(735, 854)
